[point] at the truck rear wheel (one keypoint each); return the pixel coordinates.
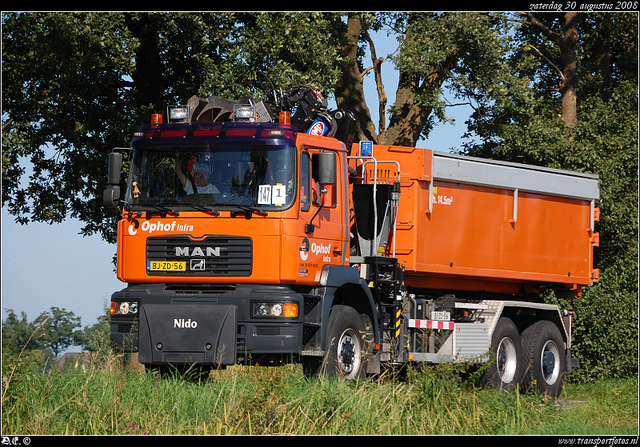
(344, 346)
(505, 368)
(546, 364)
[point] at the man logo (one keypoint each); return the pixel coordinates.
(197, 251)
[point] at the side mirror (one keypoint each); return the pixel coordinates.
(111, 195)
(327, 168)
(115, 167)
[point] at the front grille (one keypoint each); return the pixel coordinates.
(211, 256)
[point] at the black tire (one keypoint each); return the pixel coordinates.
(545, 365)
(505, 367)
(344, 347)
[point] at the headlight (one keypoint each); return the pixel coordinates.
(124, 308)
(286, 310)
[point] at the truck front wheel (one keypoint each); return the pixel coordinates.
(546, 364)
(343, 348)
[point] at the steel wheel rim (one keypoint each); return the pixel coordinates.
(506, 360)
(349, 355)
(549, 362)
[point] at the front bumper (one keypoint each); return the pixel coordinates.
(205, 325)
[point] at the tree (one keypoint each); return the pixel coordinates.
(597, 132)
(568, 75)
(461, 51)
(60, 330)
(75, 85)
(95, 338)
(55, 331)
(18, 334)
(63, 90)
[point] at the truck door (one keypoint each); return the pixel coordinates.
(322, 215)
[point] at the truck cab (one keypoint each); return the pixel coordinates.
(228, 231)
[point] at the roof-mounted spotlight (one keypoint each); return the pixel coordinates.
(178, 114)
(245, 112)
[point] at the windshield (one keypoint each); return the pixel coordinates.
(214, 176)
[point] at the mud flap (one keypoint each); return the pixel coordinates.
(191, 333)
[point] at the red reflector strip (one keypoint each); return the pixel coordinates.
(431, 324)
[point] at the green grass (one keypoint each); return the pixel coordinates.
(243, 400)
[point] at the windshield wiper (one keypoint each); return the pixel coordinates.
(246, 210)
(195, 206)
(162, 211)
(201, 208)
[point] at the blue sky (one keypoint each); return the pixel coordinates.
(53, 265)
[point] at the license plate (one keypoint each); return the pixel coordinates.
(166, 266)
(440, 316)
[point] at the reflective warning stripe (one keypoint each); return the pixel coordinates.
(431, 324)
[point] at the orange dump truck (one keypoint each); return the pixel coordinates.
(249, 240)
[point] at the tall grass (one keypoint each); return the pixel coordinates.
(251, 400)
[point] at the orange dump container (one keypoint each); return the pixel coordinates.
(467, 223)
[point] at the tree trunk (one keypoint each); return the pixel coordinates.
(569, 86)
(603, 24)
(408, 117)
(567, 44)
(350, 91)
(148, 75)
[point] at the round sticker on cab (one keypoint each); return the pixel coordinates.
(318, 127)
(316, 249)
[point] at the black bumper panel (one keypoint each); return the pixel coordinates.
(190, 333)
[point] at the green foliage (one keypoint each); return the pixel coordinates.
(59, 330)
(461, 52)
(292, 48)
(17, 334)
(52, 332)
(605, 142)
(63, 89)
(76, 85)
(96, 338)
